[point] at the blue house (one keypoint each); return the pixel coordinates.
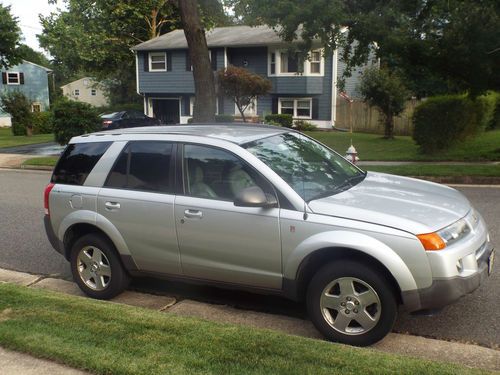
(305, 89)
(30, 79)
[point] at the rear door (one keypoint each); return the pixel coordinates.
(138, 199)
(219, 241)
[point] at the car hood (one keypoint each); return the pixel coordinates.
(405, 203)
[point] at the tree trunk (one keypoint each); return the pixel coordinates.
(204, 85)
(389, 126)
(242, 112)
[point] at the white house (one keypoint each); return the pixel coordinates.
(86, 90)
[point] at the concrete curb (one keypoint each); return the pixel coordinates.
(463, 354)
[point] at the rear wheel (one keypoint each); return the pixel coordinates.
(351, 303)
(96, 267)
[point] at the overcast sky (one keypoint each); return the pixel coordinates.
(27, 12)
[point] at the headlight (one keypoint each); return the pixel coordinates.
(444, 237)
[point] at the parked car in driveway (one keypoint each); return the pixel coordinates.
(127, 119)
(266, 209)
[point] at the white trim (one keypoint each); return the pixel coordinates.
(36, 104)
(18, 78)
(225, 57)
(157, 54)
(137, 73)
(295, 100)
(306, 69)
(146, 108)
(334, 86)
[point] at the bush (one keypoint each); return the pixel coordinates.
(224, 118)
(18, 106)
(282, 120)
(488, 106)
(42, 122)
(443, 121)
(73, 118)
(303, 125)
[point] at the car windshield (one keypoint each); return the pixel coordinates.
(110, 115)
(311, 169)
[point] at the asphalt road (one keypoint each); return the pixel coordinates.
(42, 149)
(23, 246)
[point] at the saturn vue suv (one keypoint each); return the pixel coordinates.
(265, 209)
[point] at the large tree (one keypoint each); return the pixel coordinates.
(10, 37)
(439, 45)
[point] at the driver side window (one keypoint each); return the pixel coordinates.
(216, 174)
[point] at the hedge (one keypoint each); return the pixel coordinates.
(42, 122)
(282, 120)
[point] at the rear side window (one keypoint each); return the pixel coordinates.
(77, 161)
(144, 166)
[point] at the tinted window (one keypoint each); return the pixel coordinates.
(217, 174)
(77, 162)
(145, 166)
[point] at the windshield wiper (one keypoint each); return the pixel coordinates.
(347, 184)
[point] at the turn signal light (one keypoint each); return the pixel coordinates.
(431, 241)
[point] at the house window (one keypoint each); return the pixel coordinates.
(289, 63)
(13, 78)
(315, 62)
(273, 63)
(76, 92)
(36, 107)
(93, 92)
(86, 82)
(297, 107)
(158, 62)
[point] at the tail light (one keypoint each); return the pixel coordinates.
(46, 194)
(106, 123)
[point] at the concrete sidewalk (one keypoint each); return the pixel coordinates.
(459, 353)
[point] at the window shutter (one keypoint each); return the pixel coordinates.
(4, 78)
(188, 61)
(169, 61)
(274, 105)
(21, 78)
(146, 61)
(315, 109)
(213, 58)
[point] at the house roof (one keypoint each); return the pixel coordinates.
(40, 66)
(230, 36)
(90, 79)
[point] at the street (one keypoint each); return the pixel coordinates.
(24, 246)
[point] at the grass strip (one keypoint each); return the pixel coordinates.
(107, 338)
(485, 146)
(9, 140)
(45, 161)
(485, 170)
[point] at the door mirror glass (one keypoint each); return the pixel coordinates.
(254, 196)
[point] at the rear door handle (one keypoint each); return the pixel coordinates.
(111, 206)
(193, 214)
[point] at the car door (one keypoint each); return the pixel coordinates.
(138, 199)
(218, 240)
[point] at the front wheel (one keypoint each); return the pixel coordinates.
(96, 267)
(351, 303)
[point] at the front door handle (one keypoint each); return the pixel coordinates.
(193, 214)
(111, 206)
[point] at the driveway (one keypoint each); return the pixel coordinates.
(23, 246)
(39, 149)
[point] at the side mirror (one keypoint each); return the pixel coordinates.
(254, 196)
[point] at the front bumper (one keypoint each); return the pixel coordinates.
(442, 292)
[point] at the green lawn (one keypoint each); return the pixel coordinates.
(484, 147)
(437, 170)
(107, 338)
(8, 140)
(49, 161)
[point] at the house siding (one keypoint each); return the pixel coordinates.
(35, 85)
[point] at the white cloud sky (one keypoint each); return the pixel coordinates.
(27, 12)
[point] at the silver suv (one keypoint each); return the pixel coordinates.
(267, 209)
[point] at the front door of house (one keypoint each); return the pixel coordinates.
(166, 110)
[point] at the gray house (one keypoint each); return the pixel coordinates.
(30, 79)
(307, 90)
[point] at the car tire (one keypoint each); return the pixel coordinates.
(351, 303)
(96, 267)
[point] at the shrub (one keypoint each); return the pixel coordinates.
(303, 125)
(18, 106)
(443, 121)
(42, 122)
(73, 118)
(224, 118)
(488, 106)
(282, 120)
